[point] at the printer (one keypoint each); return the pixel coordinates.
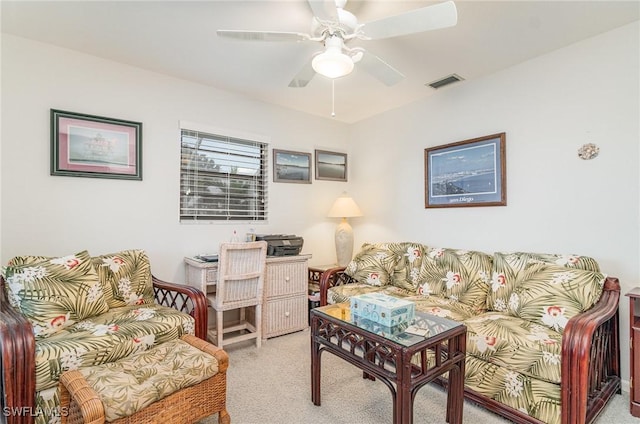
(281, 244)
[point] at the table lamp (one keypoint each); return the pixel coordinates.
(344, 207)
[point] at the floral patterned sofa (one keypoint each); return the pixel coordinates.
(542, 329)
(62, 313)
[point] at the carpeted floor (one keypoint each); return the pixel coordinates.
(273, 385)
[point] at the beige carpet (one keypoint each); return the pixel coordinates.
(273, 385)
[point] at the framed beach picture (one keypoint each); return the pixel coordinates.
(331, 166)
(291, 167)
(467, 173)
(95, 146)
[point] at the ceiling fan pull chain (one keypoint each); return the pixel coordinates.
(333, 98)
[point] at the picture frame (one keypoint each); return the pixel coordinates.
(95, 146)
(331, 166)
(291, 167)
(466, 173)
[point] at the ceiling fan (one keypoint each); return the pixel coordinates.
(335, 27)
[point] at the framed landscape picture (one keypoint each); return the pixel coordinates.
(467, 173)
(95, 146)
(291, 167)
(331, 166)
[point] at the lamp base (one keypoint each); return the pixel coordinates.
(344, 243)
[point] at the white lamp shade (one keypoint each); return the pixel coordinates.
(344, 207)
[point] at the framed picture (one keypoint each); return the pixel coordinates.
(331, 166)
(95, 146)
(291, 167)
(466, 173)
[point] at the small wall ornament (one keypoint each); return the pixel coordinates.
(588, 151)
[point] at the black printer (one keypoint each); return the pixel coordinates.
(281, 244)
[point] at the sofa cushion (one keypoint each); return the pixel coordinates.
(548, 292)
(406, 273)
(511, 268)
(106, 338)
(459, 275)
(373, 264)
(126, 278)
(54, 293)
(130, 384)
(340, 294)
(517, 344)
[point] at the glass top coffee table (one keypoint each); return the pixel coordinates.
(387, 353)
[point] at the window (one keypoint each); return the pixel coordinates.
(222, 178)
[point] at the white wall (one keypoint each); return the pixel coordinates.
(52, 215)
(557, 203)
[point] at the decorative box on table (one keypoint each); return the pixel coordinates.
(383, 309)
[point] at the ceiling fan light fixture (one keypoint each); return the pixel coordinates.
(333, 63)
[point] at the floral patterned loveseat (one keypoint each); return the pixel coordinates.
(542, 329)
(62, 313)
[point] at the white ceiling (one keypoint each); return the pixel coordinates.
(179, 38)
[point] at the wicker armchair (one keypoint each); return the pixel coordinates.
(17, 346)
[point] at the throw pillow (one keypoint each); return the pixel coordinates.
(552, 294)
(126, 278)
(458, 275)
(510, 268)
(372, 265)
(55, 292)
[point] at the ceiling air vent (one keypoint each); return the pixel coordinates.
(445, 81)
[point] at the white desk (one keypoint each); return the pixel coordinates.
(284, 308)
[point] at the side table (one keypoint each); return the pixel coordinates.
(315, 274)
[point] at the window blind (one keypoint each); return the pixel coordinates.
(222, 178)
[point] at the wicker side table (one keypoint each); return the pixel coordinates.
(80, 403)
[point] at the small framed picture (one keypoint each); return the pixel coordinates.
(95, 146)
(466, 173)
(291, 167)
(331, 166)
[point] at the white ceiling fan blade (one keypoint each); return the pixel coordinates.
(304, 76)
(324, 9)
(262, 35)
(380, 69)
(438, 16)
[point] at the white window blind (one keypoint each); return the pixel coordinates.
(222, 178)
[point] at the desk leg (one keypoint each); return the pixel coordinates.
(315, 363)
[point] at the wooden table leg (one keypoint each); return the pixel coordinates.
(315, 363)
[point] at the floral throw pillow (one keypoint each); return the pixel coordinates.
(553, 294)
(372, 265)
(126, 278)
(55, 292)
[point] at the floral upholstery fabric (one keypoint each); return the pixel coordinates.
(54, 293)
(515, 307)
(373, 265)
(108, 337)
(126, 278)
(128, 385)
(548, 293)
(459, 275)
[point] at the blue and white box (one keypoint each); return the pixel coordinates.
(383, 309)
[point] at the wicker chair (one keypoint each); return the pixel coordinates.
(241, 273)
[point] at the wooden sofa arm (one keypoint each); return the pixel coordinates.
(186, 299)
(17, 364)
(591, 358)
(330, 278)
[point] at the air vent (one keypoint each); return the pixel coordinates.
(445, 81)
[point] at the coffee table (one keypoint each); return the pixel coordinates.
(387, 354)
